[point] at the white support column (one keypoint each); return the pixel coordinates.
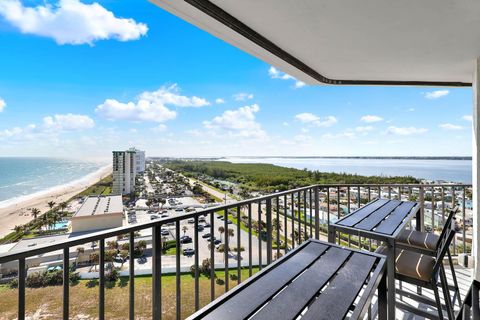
(475, 171)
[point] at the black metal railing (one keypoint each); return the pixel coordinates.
(268, 226)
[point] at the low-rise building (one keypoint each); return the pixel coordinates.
(97, 213)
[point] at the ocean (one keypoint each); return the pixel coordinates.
(21, 177)
(448, 170)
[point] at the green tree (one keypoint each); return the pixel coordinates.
(94, 258)
(230, 234)
(51, 204)
(35, 213)
(221, 229)
(80, 250)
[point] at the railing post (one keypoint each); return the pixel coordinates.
(66, 282)
(101, 276)
(131, 273)
(157, 273)
(317, 213)
(269, 230)
(421, 199)
(21, 289)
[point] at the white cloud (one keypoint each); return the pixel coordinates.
(364, 129)
(285, 124)
(18, 132)
(315, 120)
(3, 104)
(449, 126)
(71, 22)
(160, 128)
(219, 101)
(149, 106)
(194, 132)
(436, 94)
(411, 109)
(405, 131)
(346, 134)
(240, 122)
(467, 118)
(242, 96)
(274, 73)
(171, 96)
(68, 122)
(303, 140)
(371, 118)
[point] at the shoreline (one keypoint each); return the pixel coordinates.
(16, 211)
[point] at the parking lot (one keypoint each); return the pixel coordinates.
(187, 230)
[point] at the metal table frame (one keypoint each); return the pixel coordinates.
(376, 281)
(388, 239)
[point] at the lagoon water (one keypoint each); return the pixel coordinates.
(448, 170)
(22, 176)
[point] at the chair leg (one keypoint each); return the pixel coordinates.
(446, 293)
(439, 303)
(454, 276)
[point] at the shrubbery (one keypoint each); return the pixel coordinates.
(46, 278)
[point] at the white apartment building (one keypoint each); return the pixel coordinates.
(139, 160)
(124, 171)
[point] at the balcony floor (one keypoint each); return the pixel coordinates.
(464, 278)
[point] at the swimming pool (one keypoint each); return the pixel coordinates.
(61, 225)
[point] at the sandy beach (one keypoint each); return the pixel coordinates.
(18, 211)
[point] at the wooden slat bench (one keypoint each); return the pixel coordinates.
(317, 280)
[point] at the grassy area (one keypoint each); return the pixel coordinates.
(268, 177)
(84, 300)
(102, 187)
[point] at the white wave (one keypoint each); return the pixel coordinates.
(85, 180)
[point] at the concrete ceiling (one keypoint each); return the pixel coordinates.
(408, 42)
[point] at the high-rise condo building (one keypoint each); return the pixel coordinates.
(139, 160)
(124, 171)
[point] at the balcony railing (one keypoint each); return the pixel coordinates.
(266, 227)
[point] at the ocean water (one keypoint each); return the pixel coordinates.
(448, 170)
(21, 177)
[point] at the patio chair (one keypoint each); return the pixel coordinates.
(428, 243)
(425, 271)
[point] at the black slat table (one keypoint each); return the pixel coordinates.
(381, 220)
(317, 280)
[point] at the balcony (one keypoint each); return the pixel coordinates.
(165, 282)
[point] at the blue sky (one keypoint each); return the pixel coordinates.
(73, 86)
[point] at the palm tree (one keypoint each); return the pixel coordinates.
(230, 234)
(80, 250)
(35, 212)
(18, 229)
(184, 229)
(94, 257)
(63, 206)
(51, 204)
(221, 229)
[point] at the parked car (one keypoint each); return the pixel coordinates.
(210, 239)
(229, 221)
(188, 252)
(191, 220)
(164, 216)
(206, 225)
(154, 217)
(217, 241)
(201, 219)
(206, 235)
(200, 228)
(165, 232)
(185, 239)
